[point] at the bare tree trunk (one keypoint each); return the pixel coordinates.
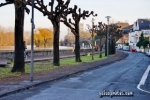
(110, 46)
(19, 45)
(100, 48)
(44, 43)
(92, 46)
(106, 46)
(77, 45)
(113, 46)
(77, 49)
(56, 61)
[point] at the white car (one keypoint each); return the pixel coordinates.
(147, 52)
(119, 46)
(126, 48)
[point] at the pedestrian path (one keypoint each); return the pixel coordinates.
(4, 62)
(48, 57)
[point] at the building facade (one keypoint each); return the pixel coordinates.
(140, 26)
(125, 28)
(125, 32)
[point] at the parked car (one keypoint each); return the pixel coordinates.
(147, 52)
(126, 48)
(137, 49)
(119, 46)
(133, 50)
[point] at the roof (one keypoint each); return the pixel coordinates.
(143, 24)
(123, 25)
(127, 29)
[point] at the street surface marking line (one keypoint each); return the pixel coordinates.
(143, 79)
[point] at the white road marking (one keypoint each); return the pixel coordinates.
(143, 79)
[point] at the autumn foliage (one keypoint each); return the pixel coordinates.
(6, 37)
(43, 37)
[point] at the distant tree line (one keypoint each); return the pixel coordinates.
(6, 38)
(43, 37)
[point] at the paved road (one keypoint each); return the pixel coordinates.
(123, 75)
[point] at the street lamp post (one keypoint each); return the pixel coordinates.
(0, 42)
(32, 42)
(107, 35)
(92, 38)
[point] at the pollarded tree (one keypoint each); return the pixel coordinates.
(92, 31)
(54, 15)
(20, 7)
(118, 34)
(113, 32)
(101, 32)
(19, 28)
(74, 26)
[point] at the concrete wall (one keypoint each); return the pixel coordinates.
(41, 52)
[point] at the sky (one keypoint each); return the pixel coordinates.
(119, 10)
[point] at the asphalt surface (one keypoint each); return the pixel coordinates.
(123, 77)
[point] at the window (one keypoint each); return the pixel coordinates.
(142, 21)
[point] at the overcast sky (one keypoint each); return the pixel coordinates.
(119, 10)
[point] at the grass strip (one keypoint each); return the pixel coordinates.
(48, 65)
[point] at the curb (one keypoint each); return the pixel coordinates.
(60, 77)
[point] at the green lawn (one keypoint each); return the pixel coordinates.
(47, 65)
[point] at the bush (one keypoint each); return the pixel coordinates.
(142, 41)
(126, 44)
(145, 43)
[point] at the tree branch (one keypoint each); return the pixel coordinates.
(12, 2)
(3, 4)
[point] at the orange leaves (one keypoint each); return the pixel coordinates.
(6, 38)
(43, 37)
(45, 33)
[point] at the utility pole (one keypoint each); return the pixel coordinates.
(107, 35)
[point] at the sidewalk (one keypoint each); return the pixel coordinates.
(22, 83)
